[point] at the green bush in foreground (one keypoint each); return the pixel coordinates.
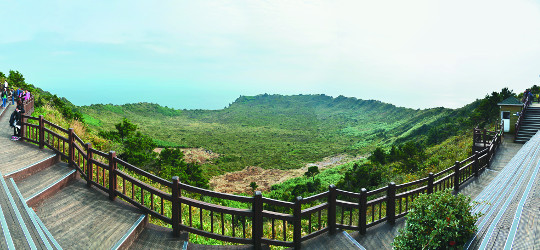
(438, 221)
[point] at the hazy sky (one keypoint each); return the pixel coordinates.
(204, 54)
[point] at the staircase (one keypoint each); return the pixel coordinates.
(529, 125)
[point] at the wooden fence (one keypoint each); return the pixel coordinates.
(262, 220)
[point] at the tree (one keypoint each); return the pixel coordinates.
(378, 156)
(488, 110)
(125, 128)
(253, 186)
(171, 163)
(16, 79)
(361, 176)
(139, 150)
(312, 171)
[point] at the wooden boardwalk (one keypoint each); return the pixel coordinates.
(511, 204)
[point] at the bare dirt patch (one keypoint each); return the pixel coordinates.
(195, 155)
(238, 182)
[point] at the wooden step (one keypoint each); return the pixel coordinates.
(46, 183)
(80, 217)
(156, 237)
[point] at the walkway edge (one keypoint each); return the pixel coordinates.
(138, 225)
(353, 240)
(5, 230)
(36, 225)
(18, 215)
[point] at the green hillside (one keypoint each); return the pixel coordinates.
(276, 131)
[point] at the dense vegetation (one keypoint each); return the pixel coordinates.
(273, 131)
(438, 221)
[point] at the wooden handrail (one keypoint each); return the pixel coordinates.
(387, 201)
(521, 115)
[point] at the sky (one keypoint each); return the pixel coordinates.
(205, 54)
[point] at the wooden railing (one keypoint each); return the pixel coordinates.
(521, 115)
(253, 220)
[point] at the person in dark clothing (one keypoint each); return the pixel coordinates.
(13, 96)
(16, 120)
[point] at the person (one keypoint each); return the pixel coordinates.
(5, 84)
(526, 96)
(13, 95)
(15, 120)
(18, 94)
(27, 96)
(530, 97)
(4, 97)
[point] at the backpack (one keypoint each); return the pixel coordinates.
(13, 119)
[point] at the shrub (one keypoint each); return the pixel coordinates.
(438, 221)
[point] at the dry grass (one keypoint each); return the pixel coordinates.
(238, 182)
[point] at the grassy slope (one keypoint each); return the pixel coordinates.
(272, 131)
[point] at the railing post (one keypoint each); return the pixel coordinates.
(362, 210)
(474, 139)
(430, 181)
(71, 149)
(176, 206)
(23, 127)
(391, 203)
(41, 132)
(89, 165)
(332, 197)
(297, 220)
(456, 176)
(475, 164)
(488, 158)
(257, 228)
(484, 135)
(112, 175)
